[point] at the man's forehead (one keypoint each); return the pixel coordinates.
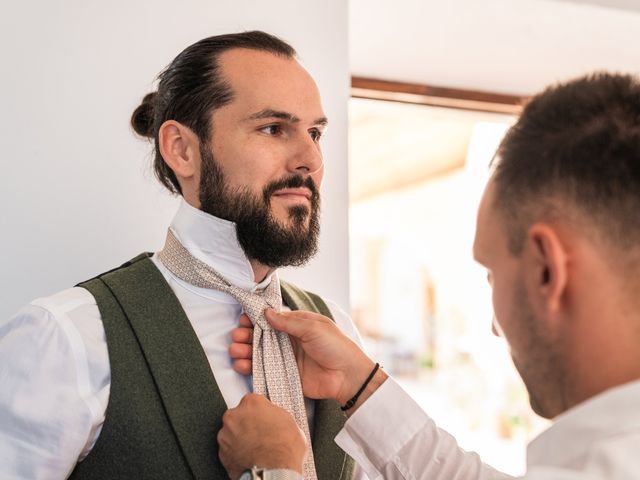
(264, 83)
(485, 224)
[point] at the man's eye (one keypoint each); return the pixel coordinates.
(315, 134)
(271, 129)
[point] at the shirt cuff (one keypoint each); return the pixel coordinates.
(381, 427)
(280, 474)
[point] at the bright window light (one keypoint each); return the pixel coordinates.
(421, 302)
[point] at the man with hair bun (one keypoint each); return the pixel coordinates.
(128, 374)
(558, 231)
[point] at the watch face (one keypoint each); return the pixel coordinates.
(246, 475)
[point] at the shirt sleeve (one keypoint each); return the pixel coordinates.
(44, 421)
(345, 323)
(391, 437)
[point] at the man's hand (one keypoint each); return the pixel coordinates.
(257, 432)
(330, 364)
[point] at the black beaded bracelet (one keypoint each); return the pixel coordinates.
(354, 399)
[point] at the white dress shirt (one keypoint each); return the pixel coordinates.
(54, 364)
(391, 437)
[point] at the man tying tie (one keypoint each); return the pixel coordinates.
(558, 233)
(128, 374)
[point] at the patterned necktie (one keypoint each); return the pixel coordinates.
(275, 371)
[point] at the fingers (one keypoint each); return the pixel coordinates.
(242, 335)
(245, 321)
(253, 399)
(256, 432)
(241, 355)
(239, 351)
(241, 348)
(297, 323)
(230, 436)
(243, 367)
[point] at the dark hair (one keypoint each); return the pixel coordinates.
(191, 87)
(575, 144)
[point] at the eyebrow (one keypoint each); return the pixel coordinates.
(289, 117)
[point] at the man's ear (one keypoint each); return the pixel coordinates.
(180, 148)
(547, 266)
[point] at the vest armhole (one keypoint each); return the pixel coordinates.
(298, 299)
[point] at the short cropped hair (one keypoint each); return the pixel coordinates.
(190, 88)
(576, 145)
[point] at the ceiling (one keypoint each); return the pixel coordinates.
(502, 46)
(395, 146)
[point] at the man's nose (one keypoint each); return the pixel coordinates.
(494, 326)
(307, 156)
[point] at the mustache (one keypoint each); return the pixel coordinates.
(295, 181)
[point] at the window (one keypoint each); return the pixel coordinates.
(423, 305)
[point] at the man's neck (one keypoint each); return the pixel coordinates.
(260, 271)
(602, 345)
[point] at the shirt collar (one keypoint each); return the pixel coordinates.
(569, 438)
(214, 241)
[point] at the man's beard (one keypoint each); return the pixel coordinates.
(541, 364)
(259, 233)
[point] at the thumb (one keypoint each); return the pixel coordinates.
(288, 322)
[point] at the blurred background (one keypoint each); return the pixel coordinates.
(421, 302)
(435, 85)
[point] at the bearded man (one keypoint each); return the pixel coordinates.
(128, 374)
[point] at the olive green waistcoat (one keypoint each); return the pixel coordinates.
(165, 407)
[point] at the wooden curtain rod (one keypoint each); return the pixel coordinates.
(371, 88)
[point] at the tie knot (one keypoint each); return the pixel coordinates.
(261, 322)
(254, 304)
(194, 271)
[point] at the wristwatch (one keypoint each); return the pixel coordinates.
(256, 473)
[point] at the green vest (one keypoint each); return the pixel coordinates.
(165, 407)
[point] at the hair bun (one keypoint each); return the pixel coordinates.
(142, 118)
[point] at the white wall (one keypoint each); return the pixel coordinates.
(78, 195)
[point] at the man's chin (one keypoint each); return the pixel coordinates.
(296, 228)
(294, 218)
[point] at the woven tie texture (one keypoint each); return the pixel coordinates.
(275, 372)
